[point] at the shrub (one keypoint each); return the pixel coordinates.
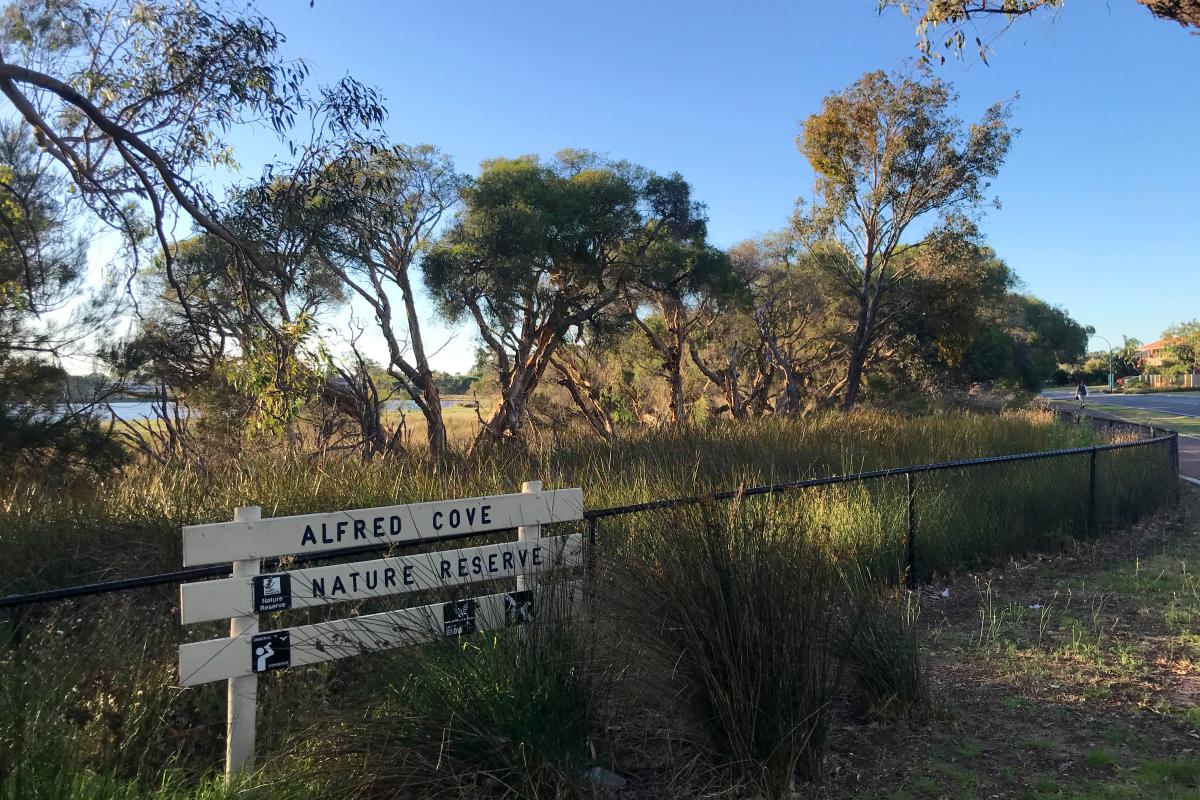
(505, 714)
(880, 644)
(735, 606)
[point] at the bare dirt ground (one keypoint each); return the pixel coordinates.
(1071, 676)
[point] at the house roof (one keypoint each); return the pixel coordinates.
(1158, 344)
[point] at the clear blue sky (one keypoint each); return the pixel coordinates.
(1100, 191)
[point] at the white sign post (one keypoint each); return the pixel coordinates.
(243, 689)
(527, 533)
(248, 593)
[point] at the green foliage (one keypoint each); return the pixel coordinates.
(1182, 348)
(449, 383)
(41, 270)
(509, 714)
(737, 605)
(1025, 342)
(37, 433)
(888, 151)
(543, 249)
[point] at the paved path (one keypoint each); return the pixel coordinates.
(1183, 404)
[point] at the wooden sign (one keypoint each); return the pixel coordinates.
(246, 652)
(362, 580)
(314, 533)
(219, 659)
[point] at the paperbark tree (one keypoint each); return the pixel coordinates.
(686, 282)
(539, 252)
(795, 316)
(887, 153)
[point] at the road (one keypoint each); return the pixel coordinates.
(1182, 404)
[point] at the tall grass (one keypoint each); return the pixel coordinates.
(735, 609)
(86, 686)
(510, 714)
(129, 523)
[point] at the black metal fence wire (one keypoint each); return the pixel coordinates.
(1155, 437)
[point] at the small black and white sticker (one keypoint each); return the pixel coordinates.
(270, 651)
(518, 607)
(272, 592)
(458, 617)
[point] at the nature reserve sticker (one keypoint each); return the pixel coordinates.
(272, 592)
(270, 651)
(458, 617)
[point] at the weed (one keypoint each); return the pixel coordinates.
(1099, 758)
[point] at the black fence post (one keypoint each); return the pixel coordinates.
(910, 577)
(591, 549)
(1091, 512)
(1175, 468)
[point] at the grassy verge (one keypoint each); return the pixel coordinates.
(1189, 426)
(1160, 389)
(1074, 677)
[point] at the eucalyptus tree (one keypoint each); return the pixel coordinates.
(891, 161)
(686, 282)
(539, 252)
(391, 200)
(135, 99)
(42, 267)
(957, 15)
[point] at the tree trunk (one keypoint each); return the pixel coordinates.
(586, 396)
(858, 354)
(673, 365)
(509, 414)
(435, 423)
(854, 371)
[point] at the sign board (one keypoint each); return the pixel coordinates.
(518, 607)
(362, 580)
(247, 652)
(458, 617)
(219, 659)
(315, 533)
(270, 651)
(269, 593)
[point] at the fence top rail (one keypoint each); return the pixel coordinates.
(178, 576)
(653, 505)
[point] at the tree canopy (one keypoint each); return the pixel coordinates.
(542, 248)
(954, 17)
(888, 152)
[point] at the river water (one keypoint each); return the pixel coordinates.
(134, 409)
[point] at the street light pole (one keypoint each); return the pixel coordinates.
(1110, 359)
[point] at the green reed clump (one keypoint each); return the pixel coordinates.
(512, 713)
(880, 647)
(735, 610)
